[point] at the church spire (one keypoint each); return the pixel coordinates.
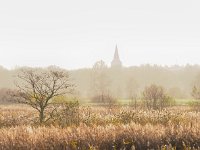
(116, 56)
(116, 63)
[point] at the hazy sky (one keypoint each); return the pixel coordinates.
(77, 33)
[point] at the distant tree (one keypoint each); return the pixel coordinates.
(196, 88)
(39, 87)
(196, 92)
(100, 82)
(5, 97)
(155, 97)
(132, 90)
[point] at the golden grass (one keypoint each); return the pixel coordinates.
(104, 128)
(100, 137)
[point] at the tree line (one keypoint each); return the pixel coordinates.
(45, 90)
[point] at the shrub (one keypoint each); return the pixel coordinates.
(64, 114)
(155, 97)
(105, 99)
(195, 106)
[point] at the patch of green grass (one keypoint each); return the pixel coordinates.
(177, 101)
(184, 101)
(87, 102)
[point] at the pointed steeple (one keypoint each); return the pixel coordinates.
(116, 56)
(116, 63)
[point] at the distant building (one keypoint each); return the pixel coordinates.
(116, 63)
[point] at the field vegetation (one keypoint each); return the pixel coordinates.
(46, 111)
(95, 127)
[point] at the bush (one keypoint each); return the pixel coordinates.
(104, 99)
(6, 97)
(195, 106)
(64, 114)
(155, 97)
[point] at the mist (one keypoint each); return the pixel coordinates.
(75, 35)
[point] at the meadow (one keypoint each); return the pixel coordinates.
(101, 127)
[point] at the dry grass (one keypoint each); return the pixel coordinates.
(103, 128)
(100, 137)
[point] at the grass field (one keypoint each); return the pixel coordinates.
(116, 127)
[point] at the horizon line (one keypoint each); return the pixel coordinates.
(109, 66)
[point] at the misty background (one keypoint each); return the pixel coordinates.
(177, 81)
(158, 42)
(75, 34)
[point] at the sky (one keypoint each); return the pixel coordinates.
(75, 34)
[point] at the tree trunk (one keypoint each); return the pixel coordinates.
(102, 98)
(41, 116)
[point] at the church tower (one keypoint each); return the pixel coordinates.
(116, 63)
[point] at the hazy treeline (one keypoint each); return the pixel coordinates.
(177, 80)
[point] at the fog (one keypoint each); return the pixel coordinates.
(158, 43)
(177, 81)
(76, 34)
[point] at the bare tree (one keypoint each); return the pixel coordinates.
(196, 88)
(100, 82)
(38, 87)
(196, 92)
(155, 97)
